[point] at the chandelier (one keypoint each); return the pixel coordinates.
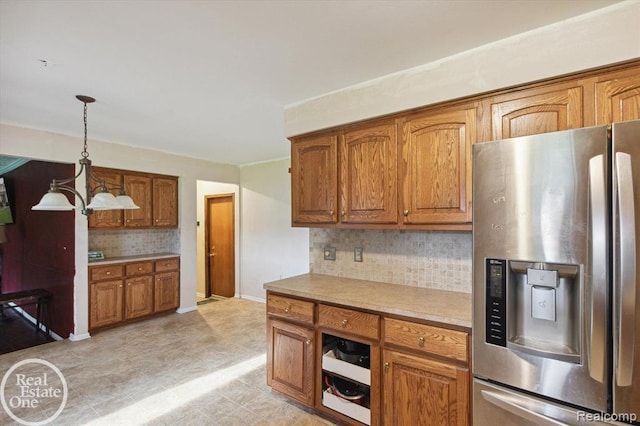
(97, 195)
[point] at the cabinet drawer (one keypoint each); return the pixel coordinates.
(97, 273)
(138, 268)
(428, 339)
(350, 321)
(167, 264)
(286, 307)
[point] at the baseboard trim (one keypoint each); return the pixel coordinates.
(78, 337)
(185, 310)
(33, 321)
(253, 298)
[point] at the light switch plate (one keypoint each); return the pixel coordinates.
(357, 254)
(329, 253)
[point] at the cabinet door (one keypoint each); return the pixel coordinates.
(420, 391)
(617, 97)
(314, 176)
(167, 291)
(139, 189)
(290, 360)
(436, 167)
(165, 202)
(105, 307)
(107, 218)
(369, 175)
(138, 296)
(538, 110)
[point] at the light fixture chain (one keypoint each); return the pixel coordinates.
(85, 153)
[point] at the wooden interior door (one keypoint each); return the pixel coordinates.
(220, 245)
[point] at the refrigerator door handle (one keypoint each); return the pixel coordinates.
(625, 269)
(510, 404)
(598, 297)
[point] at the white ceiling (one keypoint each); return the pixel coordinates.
(210, 79)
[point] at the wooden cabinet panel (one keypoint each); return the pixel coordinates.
(369, 175)
(420, 391)
(138, 268)
(139, 189)
(138, 297)
(165, 202)
(107, 218)
(427, 339)
(539, 110)
(290, 360)
(617, 97)
(436, 166)
(314, 177)
(290, 308)
(166, 291)
(349, 321)
(97, 273)
(105, 307)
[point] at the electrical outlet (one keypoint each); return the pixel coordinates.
(357, 254)
(329, 253)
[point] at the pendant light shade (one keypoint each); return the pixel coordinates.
(98, 196)
(55, 201)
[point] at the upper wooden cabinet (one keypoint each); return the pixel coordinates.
(139, 189)
(436, 166)
(314, 180)
(107, 218)
(165, 202)
(156, 195)
(537, 110)
(369, 175)
(617, 97)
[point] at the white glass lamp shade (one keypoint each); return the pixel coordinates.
(104, 201)
(126, 202)
(54, 201)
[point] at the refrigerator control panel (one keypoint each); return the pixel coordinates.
(496, 305)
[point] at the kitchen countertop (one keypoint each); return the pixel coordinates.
(122, 259)
(446, 307)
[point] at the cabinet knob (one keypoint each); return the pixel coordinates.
(405, 212)
(287, 308)
(344, 323)
(308, 341)
(120, 286)
(386, 365)
(343, 213)
(140, 269)
(330, 212)
(128, 284)
(157, 220)
(421, 341)
(108, 272)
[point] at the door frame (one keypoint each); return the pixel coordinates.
(207, 266)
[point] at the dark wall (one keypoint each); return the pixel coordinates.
(40, 247)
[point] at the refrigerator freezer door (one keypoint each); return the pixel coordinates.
(626, 228)
(496, 405)
(540, 203)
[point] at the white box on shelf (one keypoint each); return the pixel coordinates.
(343, 368)
(355, 411)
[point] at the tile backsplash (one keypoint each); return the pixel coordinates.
(438, 260)
(131, 242)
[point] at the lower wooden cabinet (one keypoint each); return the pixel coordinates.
(417, 374)
(290, 360)
(422, 391)
(131, 290)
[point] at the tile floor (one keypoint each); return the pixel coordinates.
(205, 367)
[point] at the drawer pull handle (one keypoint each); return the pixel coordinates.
(287, 308)
(386, 365)
(108, 272)
(140, 269)
(308, 342)
(120, 286)
(421, 341)
(344, 323)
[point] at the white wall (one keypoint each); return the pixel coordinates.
(270, 248)
(212, 188)
(42, 145)
(603, 37)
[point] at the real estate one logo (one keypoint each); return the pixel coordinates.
(33, 392)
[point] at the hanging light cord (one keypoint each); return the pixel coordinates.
(85, 153)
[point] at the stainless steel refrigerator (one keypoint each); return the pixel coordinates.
(556, 249)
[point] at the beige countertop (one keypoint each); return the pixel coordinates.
(446, 307)
(123, 259)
